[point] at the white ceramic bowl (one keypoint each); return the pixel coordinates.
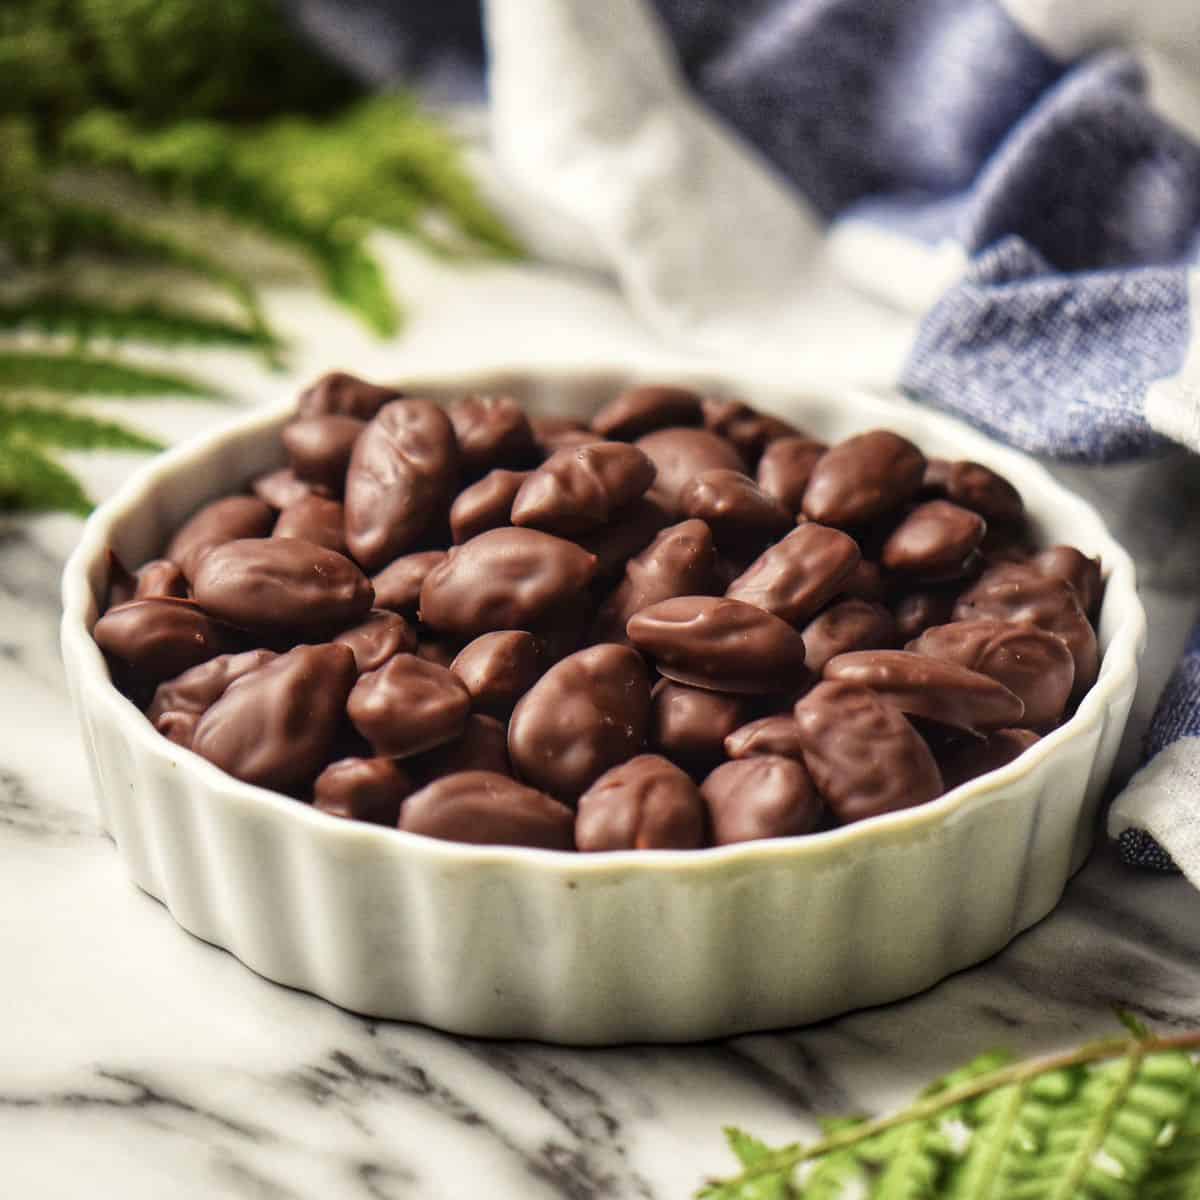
(601, 948)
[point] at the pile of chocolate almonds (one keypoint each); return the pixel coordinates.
(686, 624)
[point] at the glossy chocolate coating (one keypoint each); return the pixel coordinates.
(934, 688)
(402, 474)
(777, 734)
(486, 504)
(862, 478)
(585, 715)
(680, 561)
(314, 519)
(281, 584)
(362, 789)
(275, 725)
(646, 803)
(762, 797)
(552, 432)
(863, 755)
(976, 487)
(490, 810)
(438, 650)
(921, 609)
(865, 582)
(976, 756)
(638, 411)
(689, 725)
(408, 705)
(563, 630)
(492, 431)
(345, 395)
(740, 514)
(795, 577)
(319, 448)
(160, 577)
(498, 669)
(1031, 662)
(719, 643)
(280, 489)
(1073, 566)
(375, 639)
(482, 746)
(221, 521)
(178, 703)
(577, 490)
(851, 624)
(679, 454)
(503, 579)
(148, 641)
(934, 542)
(628, 533)
(786, 467)
(1019, 592)
(398, 585)
(747, 429)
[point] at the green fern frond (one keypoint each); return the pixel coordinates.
(85, 320)
(75, 228)
(749, 1150)
(216, 168)
(319, 186)
(1112, 1120)
(1175, 1172)
(424, 159)
(68, 430)
(77, 374)
(31, 482)
(1100, 1144)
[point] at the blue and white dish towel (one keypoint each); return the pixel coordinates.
(993, 204)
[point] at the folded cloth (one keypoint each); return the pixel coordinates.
(992, 204)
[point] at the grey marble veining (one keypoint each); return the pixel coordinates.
(137, 1061)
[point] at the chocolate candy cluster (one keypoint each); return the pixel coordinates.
(686, 624)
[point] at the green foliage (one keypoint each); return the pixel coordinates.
(1113, 1120)
(320, 186)
(86, 320)
(31, 482)
(43, 426)
(202, 104)
(80, 374)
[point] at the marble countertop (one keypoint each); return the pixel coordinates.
(136, 1061)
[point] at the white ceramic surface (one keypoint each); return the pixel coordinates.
(660, 946)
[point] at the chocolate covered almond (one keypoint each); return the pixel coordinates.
(276, 725)
(719, 643)
(503, 579)
(402, 474)
(275, 585)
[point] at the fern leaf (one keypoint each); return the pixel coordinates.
(31, 482)
(1007, 1127)
(77, 228)
(199, 161)
(833, 1176)
(71, 431)
(86, 319)
(354, 278)
(84, 374)
(1175, 1173)
(915, 1158)
(1099, 1146)
(427, 158)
